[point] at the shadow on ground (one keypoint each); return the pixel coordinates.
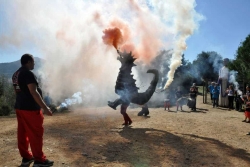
(97, 141)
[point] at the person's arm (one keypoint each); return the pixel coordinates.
(33, 91)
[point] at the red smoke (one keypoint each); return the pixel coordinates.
(112, 36)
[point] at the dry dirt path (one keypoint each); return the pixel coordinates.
(94, 137)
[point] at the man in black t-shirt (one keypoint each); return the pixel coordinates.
(28, 107)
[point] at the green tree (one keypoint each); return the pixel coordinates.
(7, 97)
(207, 66)
(241, 62)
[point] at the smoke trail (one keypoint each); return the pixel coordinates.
(184, 26)
(69, 36)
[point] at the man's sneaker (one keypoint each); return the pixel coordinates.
(46, 163)
(26, 162)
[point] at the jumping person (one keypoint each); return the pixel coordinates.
(30, 117)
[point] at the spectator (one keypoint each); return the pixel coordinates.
(167, 101)
(178, 97)
(215, 93)
(230, 94)
(210, 88)
(247, 109)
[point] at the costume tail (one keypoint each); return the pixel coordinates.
(142, 98)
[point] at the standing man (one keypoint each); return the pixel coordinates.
(223, 82)
(29, 114)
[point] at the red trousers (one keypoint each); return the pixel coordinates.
(30, 132)
(125, 115)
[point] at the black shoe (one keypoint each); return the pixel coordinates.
(26, 162)
(140, 113)
(46, 163)
(146, 113)
(111, 104)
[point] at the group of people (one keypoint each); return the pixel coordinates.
(232, 96)
(180, 99)
(215, 91)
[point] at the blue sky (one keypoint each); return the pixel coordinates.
(226, 24)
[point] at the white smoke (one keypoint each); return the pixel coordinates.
(184, 24)
(75, 99)
(232, 79)
(69, 36)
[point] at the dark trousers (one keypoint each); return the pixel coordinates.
(194, 103)
(230, 102)
(215, 102)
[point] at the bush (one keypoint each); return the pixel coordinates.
(5, 110)
(7, 96)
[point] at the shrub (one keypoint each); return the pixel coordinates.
(5, 110)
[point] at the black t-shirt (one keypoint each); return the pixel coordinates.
(24, 100)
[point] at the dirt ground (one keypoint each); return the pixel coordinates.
(95, 137)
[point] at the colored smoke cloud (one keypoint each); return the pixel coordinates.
(69, 35)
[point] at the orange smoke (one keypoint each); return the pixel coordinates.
(112, 36)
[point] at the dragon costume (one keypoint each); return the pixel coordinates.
(126, 88)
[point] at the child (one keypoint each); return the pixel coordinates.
(211, 88)
(178, 96)
(247, 110)
(166, 104)
(247, 113)
(215, 96)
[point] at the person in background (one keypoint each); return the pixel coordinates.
(30, 117)
(193, 94)
(230, 94)
(247, 109)
(210, 88)
(215, 93)
(178, 97)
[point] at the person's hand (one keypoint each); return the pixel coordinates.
(47, 111)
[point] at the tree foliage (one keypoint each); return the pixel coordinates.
(242, 58)
(207, 66)
(7, 96)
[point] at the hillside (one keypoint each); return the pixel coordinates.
(8, 69)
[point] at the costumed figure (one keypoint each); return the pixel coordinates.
(126, 88)
(223, 83)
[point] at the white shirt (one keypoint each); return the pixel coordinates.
(223, 73)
